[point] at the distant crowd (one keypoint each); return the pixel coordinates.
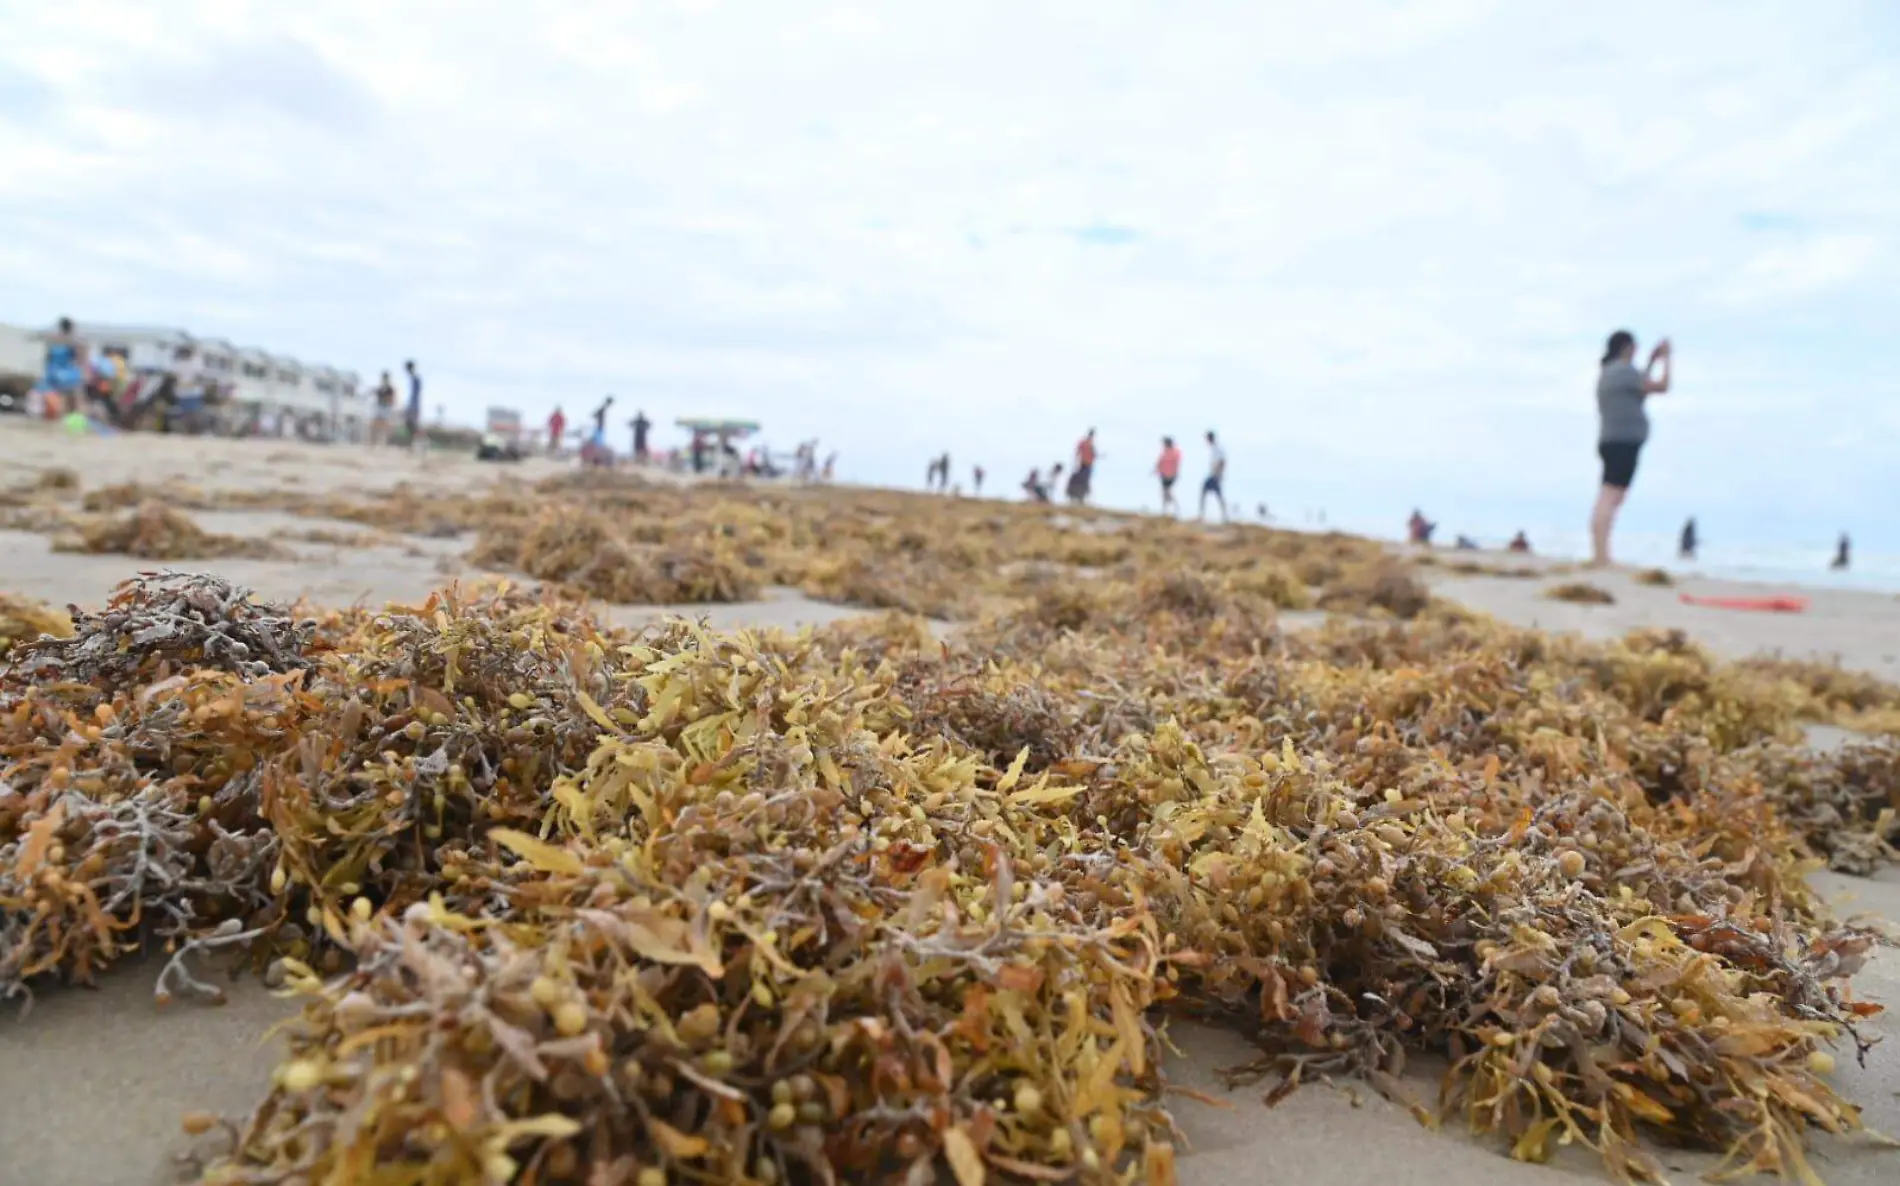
(712, 448)
(1043, 486)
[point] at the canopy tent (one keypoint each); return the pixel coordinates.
(735, 429)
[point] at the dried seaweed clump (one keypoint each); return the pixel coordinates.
(23, 619)
(120, 496)
(1851, 699)
(1478, 568)
(1658, 577)
(156, 531)
(1384, 584)
(164, 624)
(60, 479)
(983, 711)
(129, 803)
(1580, 593)
(1844, 805)
(895, 583)
(584, 551)
(1275, 583)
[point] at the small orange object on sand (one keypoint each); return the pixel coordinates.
(1773, 605)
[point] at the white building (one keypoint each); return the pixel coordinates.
(21, 354)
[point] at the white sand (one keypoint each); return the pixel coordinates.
(93, 1083)
(1860, 628)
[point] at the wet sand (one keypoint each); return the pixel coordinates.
(93, 1083)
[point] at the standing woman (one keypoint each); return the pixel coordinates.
(1624, 426)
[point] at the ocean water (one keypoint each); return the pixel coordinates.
(1782, 565)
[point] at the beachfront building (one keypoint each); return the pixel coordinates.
(295, 398)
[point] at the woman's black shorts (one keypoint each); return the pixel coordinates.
(1167, 485)
(1619, 462)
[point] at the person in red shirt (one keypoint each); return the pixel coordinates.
(1080, 480)
(557, 428)
(1168, 469)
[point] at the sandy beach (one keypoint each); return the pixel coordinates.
(95, 1082)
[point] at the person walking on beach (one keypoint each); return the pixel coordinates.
(1168, 469)
(1843, 554)
(557, 430)
(412, 412)
(1216, 474)
(641, 426)
(976, 480)
(1686, 550)
(1623, 428)
(943, 473)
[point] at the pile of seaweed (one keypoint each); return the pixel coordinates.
(619, 538)
(575, 903)
(26, 618)
(156, 530)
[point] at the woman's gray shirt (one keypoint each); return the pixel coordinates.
(1620, 398)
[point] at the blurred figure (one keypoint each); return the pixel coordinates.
(1418, 529)
(1216, 475)
(1686, 548)
(1033, 487)
(1843, 554)
(1168, 468)
(1520, 543)
(557, 431)
(976, 481)
(595, 450)
(1623, 427)
(641, 426)
(64, 373)
(412, 414)
(1084, 475)
(385, 415)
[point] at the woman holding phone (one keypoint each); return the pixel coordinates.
(1623, 428)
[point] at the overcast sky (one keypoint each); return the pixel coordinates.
(1376, 245)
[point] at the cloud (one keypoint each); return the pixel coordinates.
(1376, 243)
(1796, 270)
(244, 78)
(1105, 236)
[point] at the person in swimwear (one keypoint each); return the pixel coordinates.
(1168, 468)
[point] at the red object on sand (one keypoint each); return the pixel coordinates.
(1773, 605)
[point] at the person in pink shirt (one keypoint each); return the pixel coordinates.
(1168, 469)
